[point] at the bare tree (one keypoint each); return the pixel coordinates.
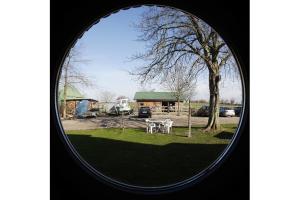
(232, 101)
(71, 74)
(173, 36)
(121, 97)
(122, 113)
(202, 101)
(191, 92)
(224, 101)
(181, 82)
(146, 88)
(107, 96)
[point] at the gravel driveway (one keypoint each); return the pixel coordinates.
(134, 122)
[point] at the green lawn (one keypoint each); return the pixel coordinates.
(139, 158)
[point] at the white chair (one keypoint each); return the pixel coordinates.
(168, 120)
(147, 125)
(168, 125)
(164, 124)
(151, 126)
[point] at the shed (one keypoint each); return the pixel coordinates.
(156, 99)
(73, 97)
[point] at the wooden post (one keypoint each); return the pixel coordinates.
(123, 128)
(178, 109)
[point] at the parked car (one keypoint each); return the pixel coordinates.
(145, 112)
(227, 112)
(203, 111)
(238, 110)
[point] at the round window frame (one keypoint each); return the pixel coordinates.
(188, 182)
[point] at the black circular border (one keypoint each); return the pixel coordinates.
(160, 189)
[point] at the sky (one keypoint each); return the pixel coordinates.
(110, 43)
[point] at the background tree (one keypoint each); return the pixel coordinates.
(224, 101)
(189, 95)
(71, 75)
(107, 96)
(202, 101)
(122, 113)
(173, 36)
(181, 82)
(146, 88)
(232, 101)
(121, 97)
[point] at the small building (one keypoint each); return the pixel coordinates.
(157, 101)
(73, 98)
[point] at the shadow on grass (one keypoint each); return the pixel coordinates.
(145, 164)
(180, 135)
(224, 135)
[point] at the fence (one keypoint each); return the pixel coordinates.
(169, 109)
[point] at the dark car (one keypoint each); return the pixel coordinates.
(145, 112)
(238, 111)
(203, 111)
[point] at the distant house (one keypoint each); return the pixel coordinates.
(156, 100)
(73, 98)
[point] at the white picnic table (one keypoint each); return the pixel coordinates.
(159, 125)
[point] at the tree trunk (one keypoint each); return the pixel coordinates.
(189, 121)
(178, 112)
(213, 120)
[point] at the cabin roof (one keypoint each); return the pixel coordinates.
(163, 96)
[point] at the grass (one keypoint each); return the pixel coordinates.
(138, 158)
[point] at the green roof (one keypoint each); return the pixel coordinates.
(165, 96)
(72, 93)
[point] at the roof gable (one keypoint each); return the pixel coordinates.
(72, 93)
(166, 96)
